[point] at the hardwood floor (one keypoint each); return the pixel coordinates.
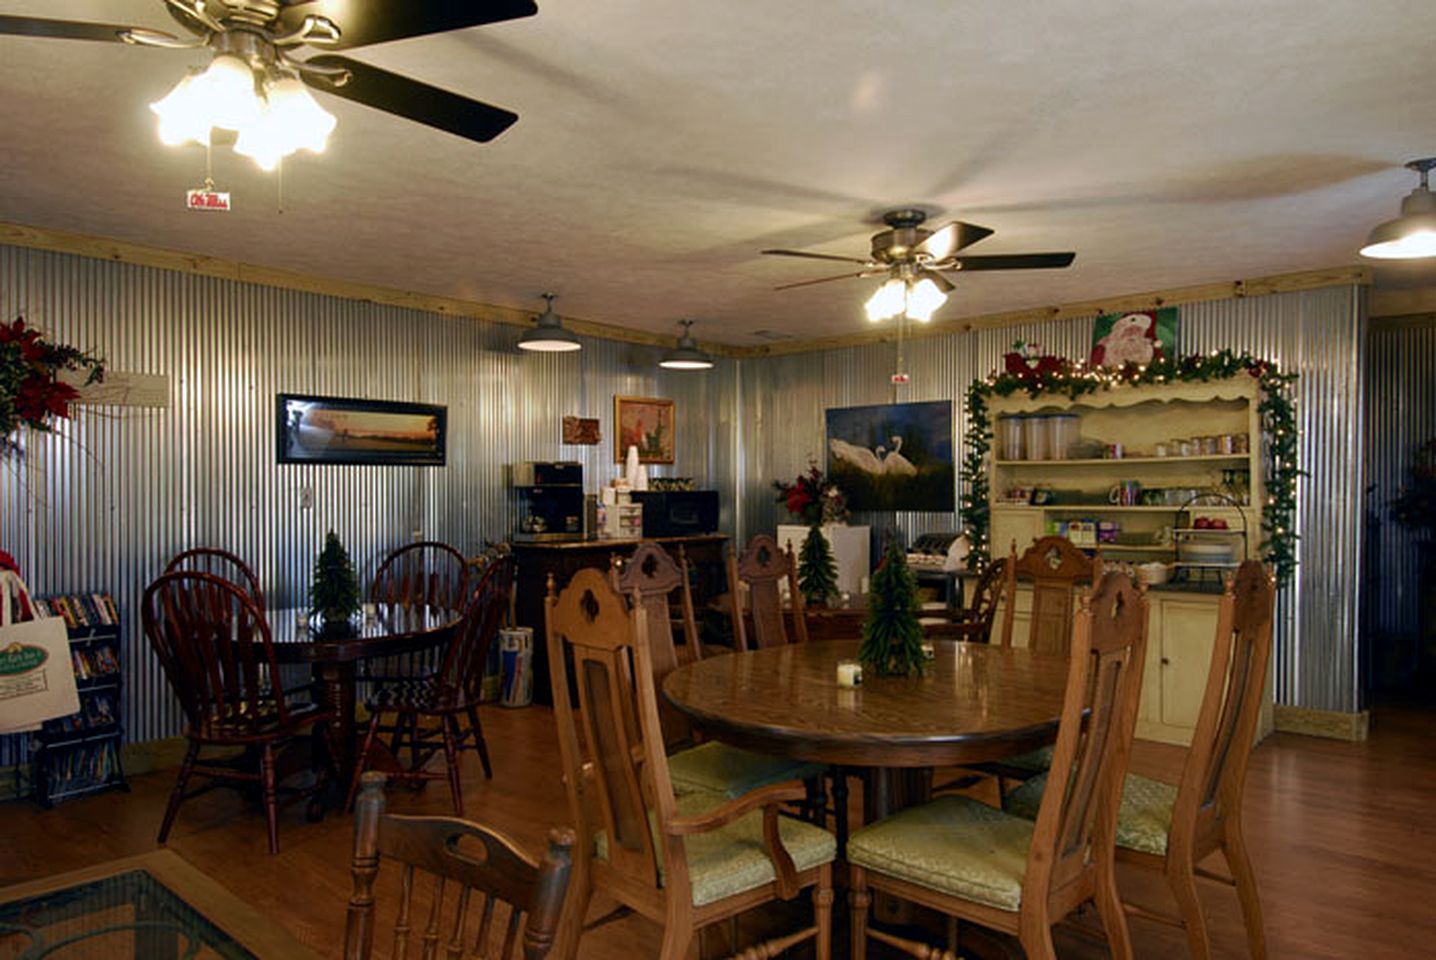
(1342, 835)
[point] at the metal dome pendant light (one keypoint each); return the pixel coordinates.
(1411, 236)
(686, 355)
(549, 336)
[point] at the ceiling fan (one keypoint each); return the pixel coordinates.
(913, 260)
(253, 43)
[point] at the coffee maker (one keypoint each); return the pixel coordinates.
(550, 500)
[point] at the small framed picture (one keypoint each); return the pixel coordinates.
(352, 431)
(645, 423)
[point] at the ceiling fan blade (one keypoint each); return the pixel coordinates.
(1013, 261)
(812, 256)
(410, 99)
(943, 284)
(67, 29)
(841, 276)
(947, 240)
(378, 21)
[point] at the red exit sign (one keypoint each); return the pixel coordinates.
(207, 200)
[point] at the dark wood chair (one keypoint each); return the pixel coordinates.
(1055, 568)
(761, 568)
(214, 646)
(427, 572)
(446, 695)
(223, 564)
(475, 862)
(1171, 828)
(975, 863)
(682, 862)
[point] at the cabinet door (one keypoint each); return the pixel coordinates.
(1022, 524)
(1149, 711)
(1188, 631)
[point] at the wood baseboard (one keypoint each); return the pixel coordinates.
(1333, 724)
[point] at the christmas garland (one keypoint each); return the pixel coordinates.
(1073, 380)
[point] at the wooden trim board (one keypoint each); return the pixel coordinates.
(120, 251)
(1333, 724)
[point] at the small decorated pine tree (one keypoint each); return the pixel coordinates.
(892, 636)
(817, 571)
(334, 595)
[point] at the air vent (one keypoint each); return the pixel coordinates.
(770, 335)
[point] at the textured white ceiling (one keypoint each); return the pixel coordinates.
(661, 145)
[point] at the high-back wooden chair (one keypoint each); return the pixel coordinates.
(761, 567)
(214, 646)
(967, 860)
(682, 862)
(223, 564)
(445, 695)
(427, 572)
(1055, 568)
(475, 862)
(987, 595)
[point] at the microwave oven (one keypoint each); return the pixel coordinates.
(678, 513)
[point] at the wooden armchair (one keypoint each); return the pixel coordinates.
(214, 646)
(761, 567)
(1055, 568)
(969, 861)
(652, 578)
(682, 862)
(473, 859)
(222, 564)
(1170, 829)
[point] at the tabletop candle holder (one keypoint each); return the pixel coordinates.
(850, 673)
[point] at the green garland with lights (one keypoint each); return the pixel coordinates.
(1074, 380)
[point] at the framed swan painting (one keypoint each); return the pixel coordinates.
(894, 456)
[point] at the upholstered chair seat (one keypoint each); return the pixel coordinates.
(1143, 820)
(731, 771)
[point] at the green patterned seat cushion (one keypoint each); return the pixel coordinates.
(954, 845)
(1143, 821)
(1037, 761)
(718, 768)
(731, 859)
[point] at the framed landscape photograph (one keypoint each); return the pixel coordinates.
(893, 456)
(340, 430)
(645, 423)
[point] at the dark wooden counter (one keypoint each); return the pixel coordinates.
(537, 559)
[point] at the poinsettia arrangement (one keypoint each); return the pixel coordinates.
(813, 498)
(31, 393)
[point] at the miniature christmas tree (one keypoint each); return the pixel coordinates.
(334, 595)
(817, 571)
(892, 636)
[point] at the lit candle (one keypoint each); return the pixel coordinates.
(371, 612)
(850, 673)
(929, 652)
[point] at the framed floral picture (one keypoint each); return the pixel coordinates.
(645, 423)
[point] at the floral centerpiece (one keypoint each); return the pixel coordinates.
(812, 498)
(31, 393)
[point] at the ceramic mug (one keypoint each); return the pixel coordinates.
(1128, 493)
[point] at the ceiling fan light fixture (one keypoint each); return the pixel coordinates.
(291, 120)
(182, 113)
(549, 336)
(227, 89)
(1411, 236)
(887, 300)
(687, 355)
(923, 299)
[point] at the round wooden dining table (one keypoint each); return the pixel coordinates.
(395, 629)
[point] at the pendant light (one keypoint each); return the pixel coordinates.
(549, 336)
(1412, 235)
(686, 355)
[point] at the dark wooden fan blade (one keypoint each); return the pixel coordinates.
(411, 99)
(947, 240)
(843, 276)
(1013, 261)
(812, 256)
(378, 21)
(64, 29)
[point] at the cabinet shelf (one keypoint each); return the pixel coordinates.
(1112, 507)
(1119, 461)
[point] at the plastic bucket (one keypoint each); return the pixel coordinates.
(516, 654)
(1034, 437)
(1009, 438)
(1062, 429)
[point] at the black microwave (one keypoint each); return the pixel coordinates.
(678, 513)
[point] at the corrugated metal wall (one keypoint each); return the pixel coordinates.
(102, 505)
(1318, 334)
(1401, 405)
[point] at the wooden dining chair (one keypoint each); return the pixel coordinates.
(973, 623)
(976, 863)
(1172, 828)
(450, 693)
(471, 865)
(1055, 568)
(684, 862)
(214, 646)
(223, 564)
(428, 572)
(652, 577)
(762, 566)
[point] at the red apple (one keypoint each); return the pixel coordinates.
(1202, 523)
(1218, 523)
